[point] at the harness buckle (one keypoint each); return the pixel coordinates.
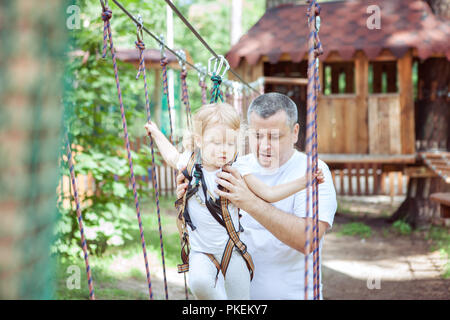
(244, 251)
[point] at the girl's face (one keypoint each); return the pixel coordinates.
(218, 145)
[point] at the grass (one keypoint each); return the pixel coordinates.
(402, 227)
(125, 262)
(440, 240)
(355, 229)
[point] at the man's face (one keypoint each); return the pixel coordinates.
(272, 139)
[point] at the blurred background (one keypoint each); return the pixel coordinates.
(383, 129)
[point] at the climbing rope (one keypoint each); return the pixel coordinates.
(216, 78)
(184, 89)
(164, 62)
(141, 47)
(315, 49)
(80, 219)
(106, 16)
(185, 99)
(216, 93)
(201, 81)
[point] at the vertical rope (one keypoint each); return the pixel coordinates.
(185, 98)
(106, 16)
(164, 62)
(203, 88)
(141, 46)
(216, 93)
(80, 220)
(315, 49)
(317, 52)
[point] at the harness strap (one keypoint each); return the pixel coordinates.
(219, 210)
(234, 236)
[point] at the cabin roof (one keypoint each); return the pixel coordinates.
(405, 24)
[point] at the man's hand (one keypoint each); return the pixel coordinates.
(237, 191)
(182, 184)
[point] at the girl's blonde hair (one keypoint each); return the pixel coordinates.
(208, 115)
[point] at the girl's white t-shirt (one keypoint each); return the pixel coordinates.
(209, 236)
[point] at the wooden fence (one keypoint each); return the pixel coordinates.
(368, 179)
(350, 178)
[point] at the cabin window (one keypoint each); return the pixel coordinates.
(383, 77)
(338, 78)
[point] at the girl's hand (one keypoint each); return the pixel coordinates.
(151, 128)
(319, 176)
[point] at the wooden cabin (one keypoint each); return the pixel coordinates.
(366, 113)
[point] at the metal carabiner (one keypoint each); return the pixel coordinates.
(202, 71)
(161, 45)
(139, 26)
(217, 69)
(182, 59)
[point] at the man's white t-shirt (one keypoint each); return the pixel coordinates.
(279, 269)
(209, 236)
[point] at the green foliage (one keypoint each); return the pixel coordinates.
(402, 227)
(94, 125)
(440, 239)
(93, 117)
(356, 229)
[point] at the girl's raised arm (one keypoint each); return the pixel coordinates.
(276, 193)
(168, 151)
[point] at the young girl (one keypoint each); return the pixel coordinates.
(213, 141)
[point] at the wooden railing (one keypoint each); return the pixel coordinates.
(368, 179)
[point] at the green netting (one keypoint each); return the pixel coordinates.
(33, 37)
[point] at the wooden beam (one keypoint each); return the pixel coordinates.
(419, 172)
(368, 158)
(286, 81)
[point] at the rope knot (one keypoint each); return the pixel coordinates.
(183, 74)
(140, 45)
(216, 94)
(106, 15)
(217, 80)
(164, 62)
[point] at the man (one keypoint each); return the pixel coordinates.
(275, 233)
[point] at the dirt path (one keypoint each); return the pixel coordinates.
(384, 266)
(394, 266)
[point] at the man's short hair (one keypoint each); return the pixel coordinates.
(268, 104)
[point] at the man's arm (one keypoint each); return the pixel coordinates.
(288, 228)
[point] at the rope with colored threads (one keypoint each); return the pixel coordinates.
(203, 88)
(315, 49)
(164, 62)
(141, 47)
(106, 16)
(216, 93)
(80, 220)
(185, 98)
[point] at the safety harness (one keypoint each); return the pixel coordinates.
(218, 209)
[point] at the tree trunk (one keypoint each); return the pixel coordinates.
(432, 118)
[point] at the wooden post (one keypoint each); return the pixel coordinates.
(362, 92)
(156, 116)
(408, 138)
